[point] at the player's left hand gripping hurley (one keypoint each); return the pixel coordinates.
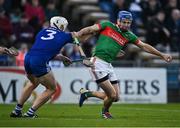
(86, 61)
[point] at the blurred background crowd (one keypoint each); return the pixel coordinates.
(156, 22)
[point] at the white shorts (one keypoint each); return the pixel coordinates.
(102, 69)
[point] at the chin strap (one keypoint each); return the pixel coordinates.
(56, 26)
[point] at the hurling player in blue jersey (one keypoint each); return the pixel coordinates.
(48, 43)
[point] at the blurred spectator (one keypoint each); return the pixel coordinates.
(173, 24)
(15, 16)
(34, 12)
(171, 4)
(157, 33)
(23, 32)
(105, 5)
(117, 6)
(17, 4)
(1, 3)
(7, 5)
(5, 27)
(147, 17)
(3, 60)
(22, 52)
(51, 10)
(112, 7)
(88, 47)
(150, 9)
(45, 24)
(55, 64)
(163, 3)
(75, 53)
(136, 11)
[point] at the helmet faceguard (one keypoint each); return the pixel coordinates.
(59, 22)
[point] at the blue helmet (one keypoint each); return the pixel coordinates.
(124, 15)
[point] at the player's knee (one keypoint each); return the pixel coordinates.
(113, 96)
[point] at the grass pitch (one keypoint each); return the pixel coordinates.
(70, 115)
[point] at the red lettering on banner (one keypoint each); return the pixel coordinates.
(114, 35)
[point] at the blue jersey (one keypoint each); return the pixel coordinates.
(49, 42)
(47, 45)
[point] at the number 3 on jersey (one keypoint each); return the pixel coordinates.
(50, 35)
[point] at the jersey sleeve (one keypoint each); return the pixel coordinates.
(104, 24)
(65, 37)
(69, 37)
(133, 38)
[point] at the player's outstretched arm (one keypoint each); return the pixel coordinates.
(87, 32)
(148, 48)
(82, 38)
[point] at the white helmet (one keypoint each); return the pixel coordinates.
(59, 22)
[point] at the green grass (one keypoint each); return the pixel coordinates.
(127, 115)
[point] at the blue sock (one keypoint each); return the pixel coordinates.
(18, 108)
(31, 111)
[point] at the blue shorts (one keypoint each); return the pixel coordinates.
(36, 65)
